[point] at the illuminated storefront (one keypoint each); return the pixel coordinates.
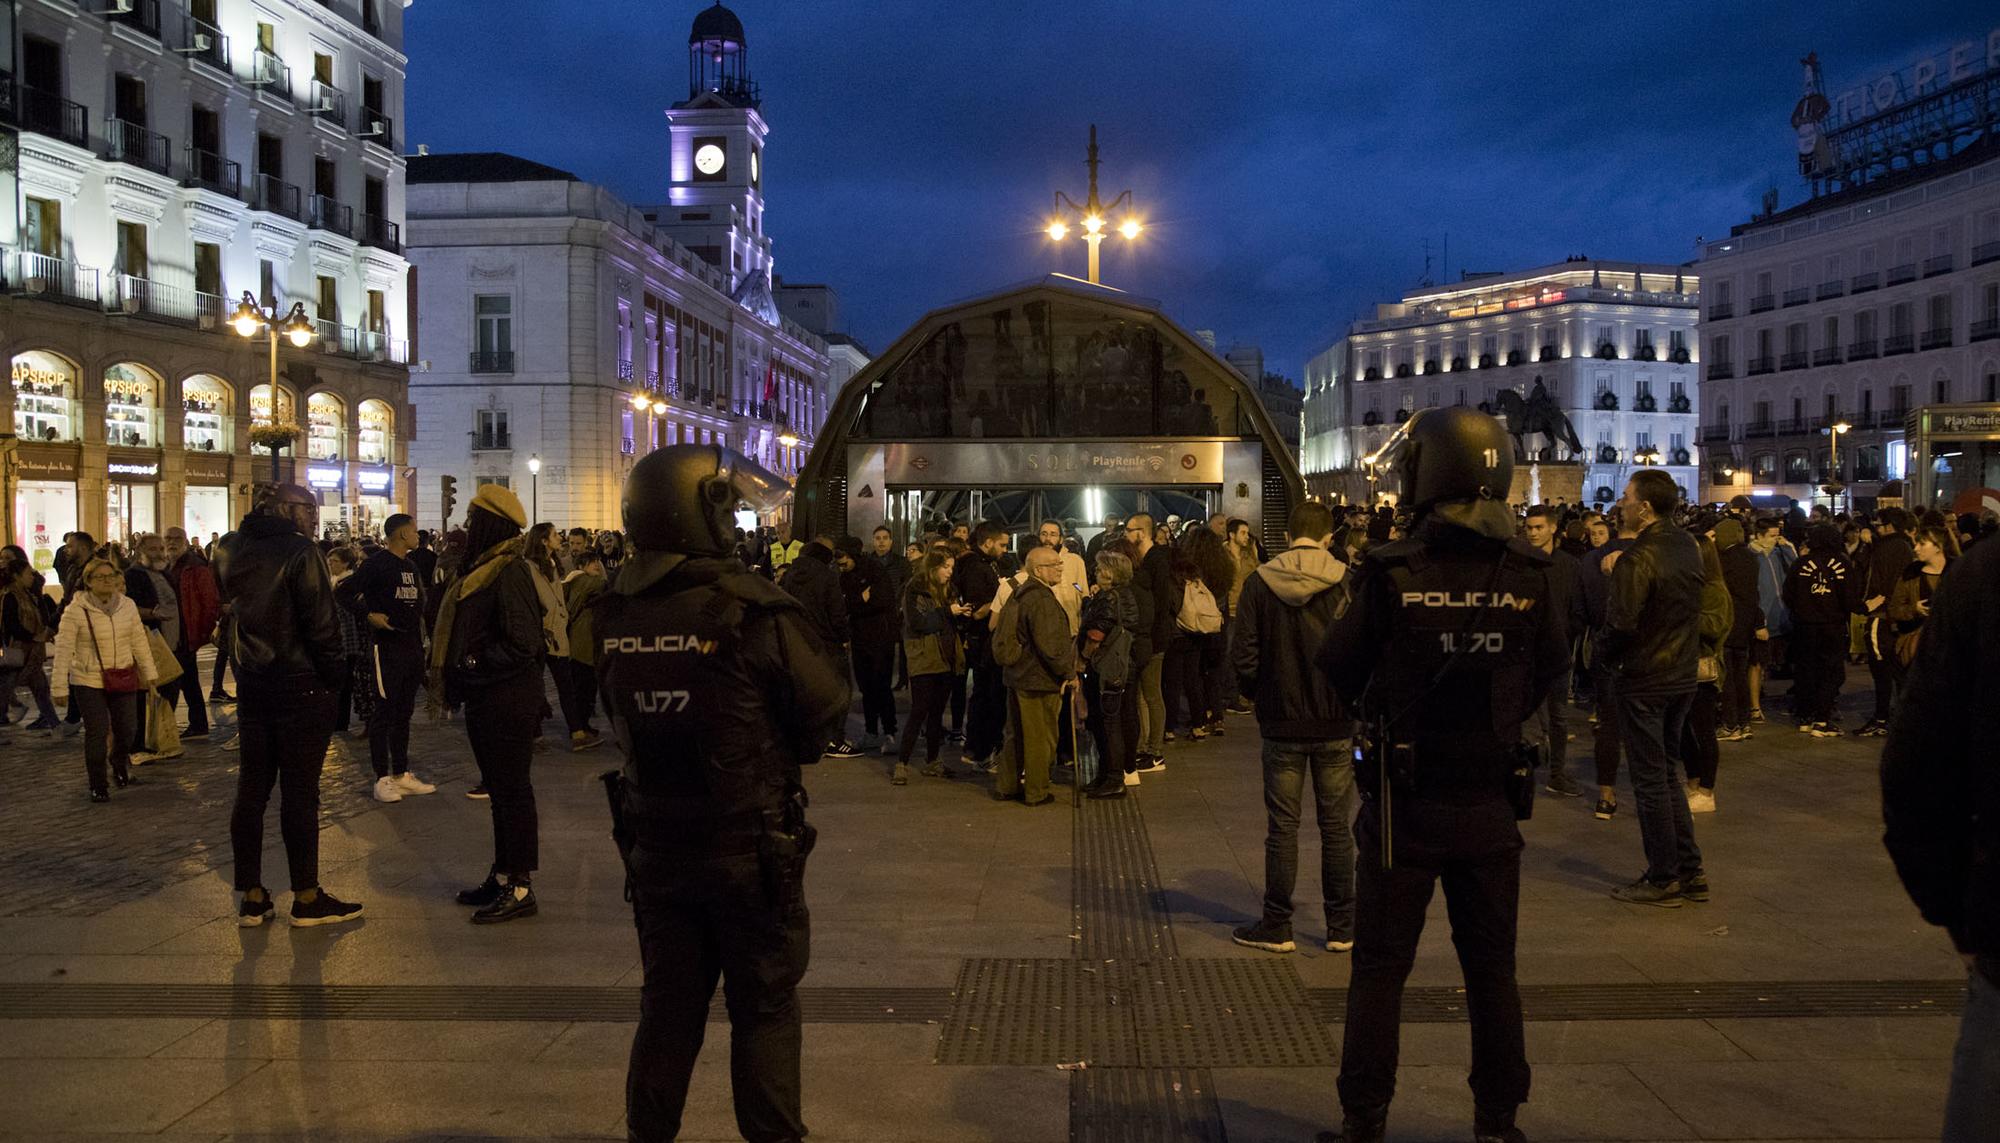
(45, 507)
(205, 507)
(131, 408)
(45, 407)
(132, 494)
(206, 418)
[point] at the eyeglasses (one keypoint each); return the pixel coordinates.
(106, 575)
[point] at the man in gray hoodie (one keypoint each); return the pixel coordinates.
(1283, 616)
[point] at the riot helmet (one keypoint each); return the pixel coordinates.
(1450, 454)
(682, 499)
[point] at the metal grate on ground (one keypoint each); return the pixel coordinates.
(1684, 1001)
(1119, 908)
(1144, 1105)
(1031, 1011)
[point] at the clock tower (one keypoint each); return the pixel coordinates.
(715, 206)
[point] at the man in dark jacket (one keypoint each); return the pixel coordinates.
(1651, 622)
(387, 593)
(1887, 559)
(812, 578)
(1739, 574)
(874, 612)
(1153, 576)
(1941, 807)
(288, 661)
(1287, 607)
(1821, 591)
(200, 605)
(1542, 529)
(1036, 681)
(976, 578)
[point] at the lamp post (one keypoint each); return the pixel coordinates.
(1091, 217)
(248, 317)
(1833, 486)
(535, 486)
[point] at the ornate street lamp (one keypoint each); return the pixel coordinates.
(1093, 217)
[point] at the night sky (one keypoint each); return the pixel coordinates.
(1289, 159)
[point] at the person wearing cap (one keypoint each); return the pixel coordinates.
(486, 654)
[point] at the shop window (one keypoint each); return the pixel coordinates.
(262, 411)
(378, 428)
(1764, 468)
(267, 283)
(206, 418)
(326, 428)
(44, 398)
(131, 408)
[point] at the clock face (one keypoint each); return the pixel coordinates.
(756, 167)
(708, 158)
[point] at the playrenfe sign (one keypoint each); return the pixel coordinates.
(1960, 62)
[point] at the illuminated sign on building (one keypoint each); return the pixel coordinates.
(326, 476)
(374, 479)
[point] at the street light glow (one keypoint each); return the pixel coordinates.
(659, 408)
(534, 466)
(1841, 427)
(1058, 231)
(640, 402)
(1092, 224)
(1130, 228)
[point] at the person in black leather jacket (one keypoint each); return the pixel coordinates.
(1652, 643)
(286, 652)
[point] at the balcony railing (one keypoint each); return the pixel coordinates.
(492, 361)
(1985, 252)
(624, 371)
(1830, 290)
(1793, 360)
(377, 128)
(270, 73)
(143, 297)
(1938, 265)
(1984, 330)
(1721, 311)
(210, 171)
(1721, 370)
(206, 44)
(273, 194)
(327, 102)
(1794, 426)
(209, 310)
(132, 143)
(1828, 355)
(1763, 302)
(325, 213)
(46, 113)
(1907, 272)
(56, 280)
(1761, 365)
(382, 234)
(1861, 350)
(1865, 282)
(1899, 343)
(139, 15)
(1797, 297)
(1760, 429)
(1936, 339)
(1713, 433)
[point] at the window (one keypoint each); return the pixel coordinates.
(1795, 338)
(489, 429)
(271, 155)
(1864, 326)
(1763, 409)
(128, 100)
(378, 312)
(131, 254)
(1992, 385)
(44, 226)
(1718, 350)
(323, 68)
(493, 316)
(1990, 301)
(267, 37)
(1940, 309)
(267, 283)
(1941, 391)
(1901, 320)
(208, 268)
(203, 10)
(1867, 402)
(326, 178)
(1832, 268)
(1725, 291)
(1764, 343)
(1830, 338)
(1764, 467)
(328, 299)
(1798, 408)
(1832, 405)
(1899, 397)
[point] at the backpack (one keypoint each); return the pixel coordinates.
(1007, 646)
(1199, 615)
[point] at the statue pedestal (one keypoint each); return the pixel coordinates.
(1558, 480)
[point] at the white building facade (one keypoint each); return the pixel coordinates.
(1612, 342)
(173, 157)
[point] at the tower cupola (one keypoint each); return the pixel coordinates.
(719, 59)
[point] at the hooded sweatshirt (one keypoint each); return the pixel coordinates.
(1824, 587)
(1284, 614)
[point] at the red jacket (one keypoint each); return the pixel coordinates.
(201, 603)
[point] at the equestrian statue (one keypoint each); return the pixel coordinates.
(1537, 425)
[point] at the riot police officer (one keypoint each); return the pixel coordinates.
(719, 691)
(1447, 645)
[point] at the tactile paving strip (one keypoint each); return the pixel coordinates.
(1225, 1013)
(1038, 1011)
(1684, 1001)
(1144, 1105)
(1119, 909)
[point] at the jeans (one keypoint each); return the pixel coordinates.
(1609, 736)
(35, 677)
(1152, 706)
(1699, 753)
(501, 720)
(874, 665)
(1330, 767)
(188, 687)
(1735, 686)
(986, 710)
(223, 631)
(398, 670)
(1031, 727)
(112, 716)
(1886, 671)
(1973, 1106)
(1475, 850)
(700, 919)
(284, 729)
(929, 695)
(1549, 725)
(1114, 722)
(1653, 726)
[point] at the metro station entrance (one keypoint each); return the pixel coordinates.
(1055, 400)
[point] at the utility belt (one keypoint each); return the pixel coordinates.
(1390, 774)
(781, 838)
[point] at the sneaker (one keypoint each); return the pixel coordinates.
(1044, 800)
(1271, 936)
(583, 740)
(123, 780)
(477, 793)
(1167, 737)
(235, 740)
(842, 749)
(197, 734)
(955, 736)
(1216, 729)
(1241, 707)
(1756, 716)
(1806, 727)
(1131, 777)
(481, 895)
(1827, 730)
(1334, 946)
(1357, 1129)
(512, 903)
(900, 776)
(250, 914)
(325, 909)
(1604, 810)
(890, 742)
(100, 796)
(1561, 783)
(220, 695)
(1701, 801)
(1695, 888)
(409, 783)
(1197, 734)
(387, 790)
(1873, 728)
(936, 769)
(1644, 892)
(1109, 786)
(1152, 763)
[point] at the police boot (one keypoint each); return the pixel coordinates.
(1357, 1127)
(1495, 1127)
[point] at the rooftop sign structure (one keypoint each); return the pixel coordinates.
(1924, 113)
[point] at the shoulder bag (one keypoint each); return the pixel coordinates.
(117, 680)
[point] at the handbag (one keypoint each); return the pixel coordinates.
(14, 656)
(1708, 669)
(166, 668)
(117, 680)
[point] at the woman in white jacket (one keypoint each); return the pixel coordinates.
(100, 632)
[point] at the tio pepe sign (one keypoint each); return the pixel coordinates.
(1956, 64)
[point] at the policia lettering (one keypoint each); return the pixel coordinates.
(720, 692)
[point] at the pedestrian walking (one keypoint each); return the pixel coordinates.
(1152, 578)
(1699, 753)
(1541, 527)
(385, 597)
(1888, 557)
(101, 660)
(1746, 629)
(976, 583)
(27, 628)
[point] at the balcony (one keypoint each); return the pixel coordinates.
(1762, 365)
(145, 298)
(1830, 355)
(1899, 343)
(1792, 361)
(1710, 434)
(1936, 339)
(1721, 311)
(1865, 282)
(1721, 370)
(1984, 330)
(1938, 265)
(1794, 426)
(325, 213)
(1985, 252)
(1861, 350)
(625, 371)
(1797, 297)
(1907, 272)
(1829, 290)
(273, 194)
(1760, 429)
(382, 234)
(1763, 302)
(1550, 353)
(46, 113)
(210, 171)
(493, 361)
(270, 74)
(56, 280)
(139, 15)
(206, 44)
(327, 103)
(132, 143)
(376, 128)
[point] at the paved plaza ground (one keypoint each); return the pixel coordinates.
(963, 953)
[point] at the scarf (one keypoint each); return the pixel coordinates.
(478, 577)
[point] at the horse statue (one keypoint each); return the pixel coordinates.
(1537, 425)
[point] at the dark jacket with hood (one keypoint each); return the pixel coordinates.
(284, 631)
(1652, 616)
(1154, 577)
(496, 634)
(1282, 618)
(1823, 587)
(815, 583)
(1887, 558)
(874, 620)
(1739, 573)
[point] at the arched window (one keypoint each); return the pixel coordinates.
(262, 410)
(45, 406)
(131, 407)
(326, 427)
(208, 415)
(378, 431)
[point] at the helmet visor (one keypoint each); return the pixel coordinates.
(755, 486)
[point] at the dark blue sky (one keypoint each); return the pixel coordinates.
(1290, 159)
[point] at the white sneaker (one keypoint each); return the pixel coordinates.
(1154, 767)
(1701, 803)
(1131, 777)
(386, 790)
(409, 783)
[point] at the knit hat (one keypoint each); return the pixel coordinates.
(1728, 532)
(502, 503)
